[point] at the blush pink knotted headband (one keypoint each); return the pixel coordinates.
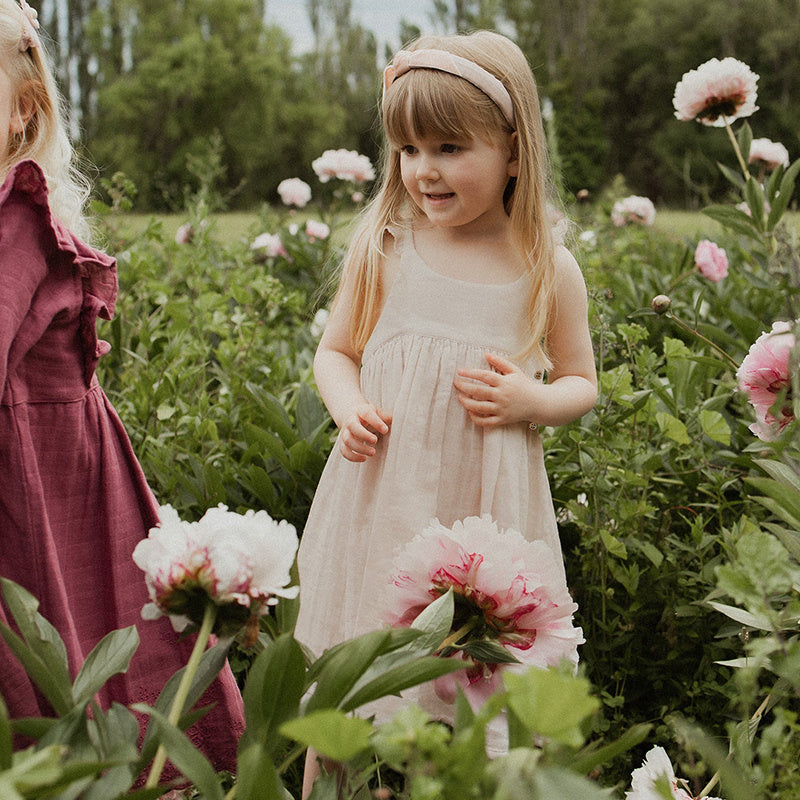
(443, 61)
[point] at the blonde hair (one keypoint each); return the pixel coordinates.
(44, 138)
(430, 102)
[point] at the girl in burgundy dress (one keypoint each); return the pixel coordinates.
(73, 499)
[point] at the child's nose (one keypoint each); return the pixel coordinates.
(426, 168)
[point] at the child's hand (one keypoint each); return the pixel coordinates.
(497, 397)
(360, 431)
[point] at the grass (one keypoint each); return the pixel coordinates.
(245, 225)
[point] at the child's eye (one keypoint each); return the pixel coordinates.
(408, 149)
(450, 148)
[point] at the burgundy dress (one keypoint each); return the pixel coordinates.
(73, 499)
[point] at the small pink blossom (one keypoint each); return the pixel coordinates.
(294, 192)
(657, 765)
(716, 92)
(185, 233)
(346, 165)
(768, 154)
(270, 244)
(633, 209)
(765, 376)
(357, 197)
(511, 592)
(711, 260)
(317, 230)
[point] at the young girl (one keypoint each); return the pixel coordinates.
(454, 303)
(73, 499)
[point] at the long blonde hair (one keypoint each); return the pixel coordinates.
(44, 139)
(429, 102)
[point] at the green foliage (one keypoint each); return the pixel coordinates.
(210, 369)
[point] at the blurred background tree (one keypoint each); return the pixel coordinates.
(154, 85)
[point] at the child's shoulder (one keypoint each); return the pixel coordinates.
(27, 220)
(568, 273)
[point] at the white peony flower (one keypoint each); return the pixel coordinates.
(240, 562)
(346, 165)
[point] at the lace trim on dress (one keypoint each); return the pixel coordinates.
(97, 270)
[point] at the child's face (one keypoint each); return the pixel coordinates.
(458, 184)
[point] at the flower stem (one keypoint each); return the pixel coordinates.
(453, 638)
(726, 356)
(715, 777)
(739, 156)
(178, 702)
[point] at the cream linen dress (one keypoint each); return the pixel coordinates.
(434, 462)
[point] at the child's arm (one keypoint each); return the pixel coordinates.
(509, 395)
(337, 368)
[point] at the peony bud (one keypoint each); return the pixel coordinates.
(661, 304)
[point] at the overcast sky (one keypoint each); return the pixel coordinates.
(380, 16)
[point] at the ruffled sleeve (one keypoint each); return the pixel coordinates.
(24, 201)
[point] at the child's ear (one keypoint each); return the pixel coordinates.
(513, 155)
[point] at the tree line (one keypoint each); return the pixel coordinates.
(170, 92)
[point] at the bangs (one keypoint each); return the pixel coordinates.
(429, 103)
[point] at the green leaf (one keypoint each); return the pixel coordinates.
(274, 413)
(741, 616)
(435, 621)
(732, 175)
(41, 652)
(591, 757)
(6, 737)
(211, 662)
(786, 497)
(275, 684)
(781, 200)
(552, 782)
(256, 777)
(310, 412)
(489, 652)
(551, 704)
(271, 443)
(735, 785)
(744, 140)
(672, 428)
(111, 656)
(754, 194)
(789, 539)
(714, 426)
(184, 755)
(340, 667)
(331, 733)
(288, 608)
(734, 219)
(399, 677)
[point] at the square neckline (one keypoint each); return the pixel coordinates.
(430, 269)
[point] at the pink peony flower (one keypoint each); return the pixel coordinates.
(764, 375)
(509, 592)
(317, 230)
(768, 154)
(294, 192)
(716, 92)
(185, 233)
(347, 165)
(240, 562)
(711, 260)
(270, 244)
(633, 209)
(657, 765)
